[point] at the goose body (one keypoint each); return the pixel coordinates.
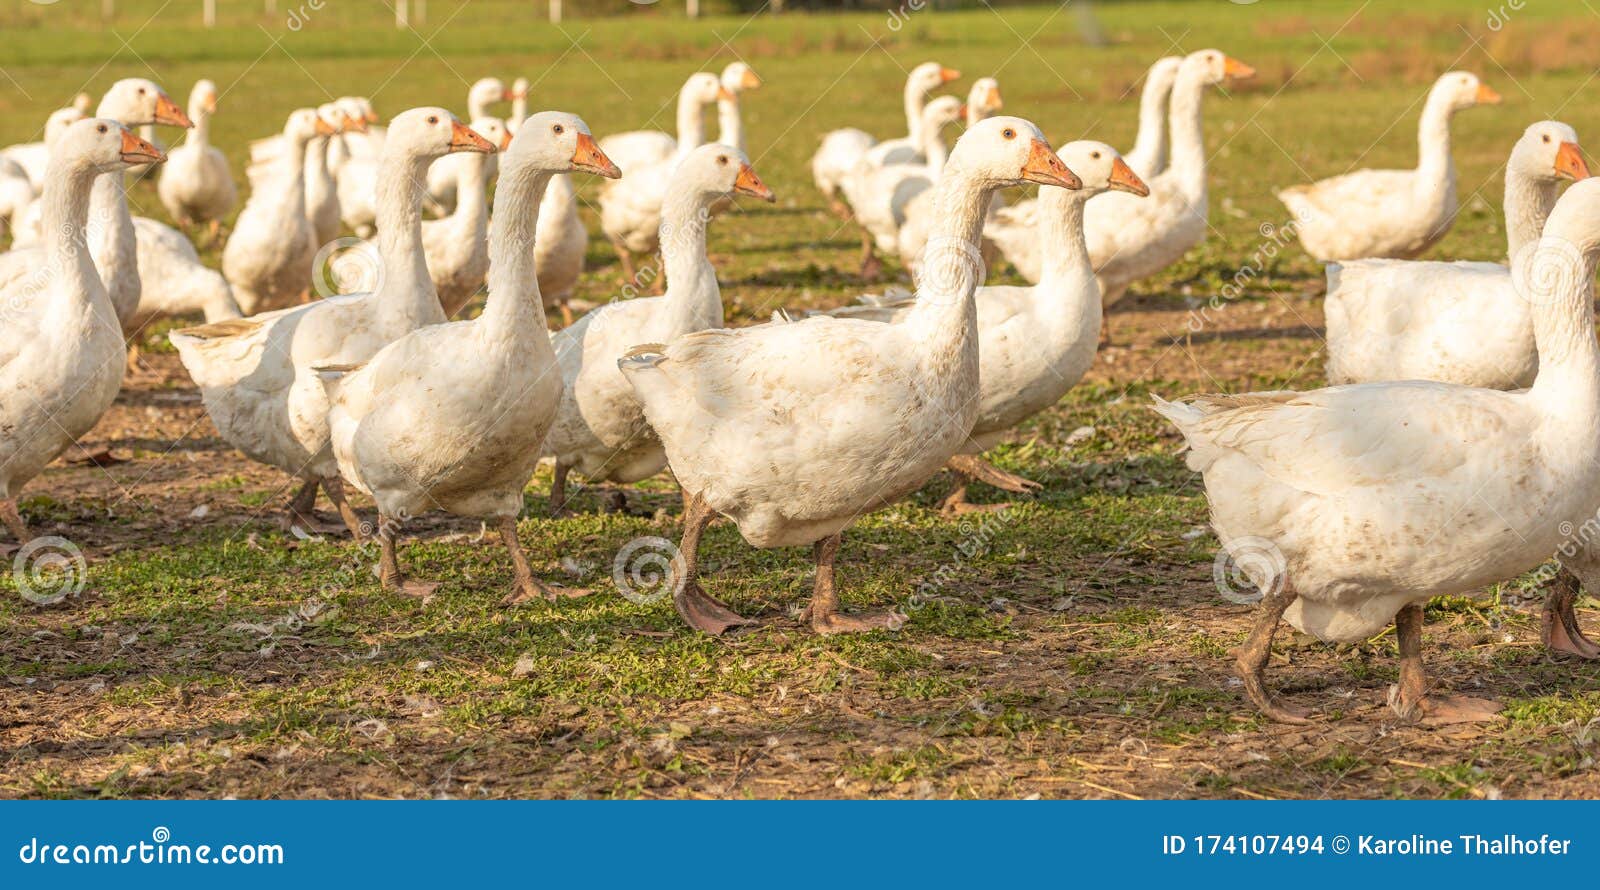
(1390, 213)
(983, 100)
(196, 185)
(268, 256)
(843, 151)
(445, 176)
(880, 195)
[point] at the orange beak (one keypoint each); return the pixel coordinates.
(961, 110)
(590, 159)
(464, 138)
(1570, 163)
(749, 80)
(324, 128)
(1045, 168)
(1123, 179)
(505, 140)
(210, 104)
(168, 113)
(991, 99)
(355, 124)
(1486, 95)
(750, 184)
(1236, 70)
(138, 151)
(948, 74)
(372, 117)
(724, 94)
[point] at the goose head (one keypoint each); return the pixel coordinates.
(1100, 168)
(1463, 89)
(1547, 151)
(722, 171)
(984, 98)
(84, 103)
(353, 114)
(558, 142)
(519, 89)
(497, 134)
(135, 102)
(361, 103)
(331, 114)
(738, 77)
(1006, 151)
(704, 88)
(941, 111)
(59, 121)
(1213, 66)
(433, 133)
(929, 76)
(303, 125)
(1164, 72)
(104, 146)
(487, 91)
(203, 98)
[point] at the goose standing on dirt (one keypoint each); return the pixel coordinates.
(196, 185)
(1350, 507)
(795, 430)
(1391, 213)
(450, 416)
(1152, 147)
(269, 255)
(1035, 343)
(1453, 322)
(61, 362)
(600, 428)
(844, 149)
(255, 373)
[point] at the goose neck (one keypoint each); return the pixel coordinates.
(1151, 143)
(514, 311)
(200, 133)
(407, 288)
(944, 314)
(1528, 201)
(1061, 239)
(472, 198)
(1188, 136)
(1559, 280)
(730, 127)
(693, 299)
(1433, 142)
(691, 129)
(913, 101)
(64, 210)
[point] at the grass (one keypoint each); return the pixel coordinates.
(1072, 645)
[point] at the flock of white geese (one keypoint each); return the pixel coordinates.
(1456, 449)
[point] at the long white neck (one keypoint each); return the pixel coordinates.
(693, 300)
(514, 312)
(944, 315)
(1150, 146)
(933, 147)
(200, 134)
(1061, 238)
(1559, 282)
(64, 212)
(1188, 137)
(406, 287)
(730, 127)
(1434, 165)
(1527, 205)
(317, 175)
(476, 107)
(913, 98)
(519, 112)
(472, 194)
(691, 129)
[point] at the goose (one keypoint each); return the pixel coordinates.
(794, 430)
(255, 373)
(355, 159)
(630, 208)
(322, 195)
(61, 361)
(34, 157)
(25, 219)
(983, 100)
(456, 247)
(1132, 238)
(175, 282)
(112, 236)
(1455, 322)
(843, 149)
(268, 257)
(562, 242)
(1391, 213)
(1350, 507)
(196, 185)
(16, 195)
(1151, 146)
(879, 195)
(1035, 343)
(600, 427)
(450, 416)
(443, 176)
(519, 103)
(736, 78)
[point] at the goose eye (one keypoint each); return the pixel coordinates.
(723, 160)
(433, 119)
(558, 129)
(1547, 137)
(141, 91)
(102, 128)
(1009, 133)
(1095, 155)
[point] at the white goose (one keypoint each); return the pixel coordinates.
(1391, 213)
(983, 101)
(450, 416)
(559, 250)
(255, 373)
(879, 195)
(268, 257)
(630, 208)
(600, 428)
(1151, 147)
(61, 362)
(844, 149)
(443, 176)
(456, 247)
(1133, 238)
(736, 79)
(1035, 343)
(1350, 507)
(1455, 322)
(196, 185)
(34, 157)
(322, 194)
(795, 430)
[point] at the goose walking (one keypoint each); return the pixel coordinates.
(196, 185)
